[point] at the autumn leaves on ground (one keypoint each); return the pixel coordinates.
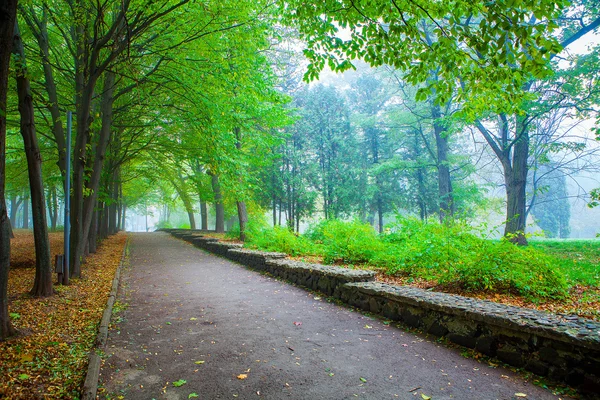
(49, 358)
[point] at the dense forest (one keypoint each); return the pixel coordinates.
(214, 107)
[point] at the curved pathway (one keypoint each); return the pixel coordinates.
(198, 325)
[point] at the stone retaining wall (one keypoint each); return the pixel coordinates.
(564, 347)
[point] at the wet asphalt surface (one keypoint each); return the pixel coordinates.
(232, 333)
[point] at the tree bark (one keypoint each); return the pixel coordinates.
(54, 215)
(446, 197)
(516, 186)
(25, 213)
(43, 265)
(219, 209)
(93, 236)
(8, 13)
(15, 203)
(112, 208)
(39, 28)
(91, 201)
(204, 215)
(243, 219)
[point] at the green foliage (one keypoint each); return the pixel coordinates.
(282, 240)
(472, 46)
(450, 254)
(577, 260)
(346, 242)
(164, 225)
(453, 255)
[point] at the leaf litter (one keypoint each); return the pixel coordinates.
(49, 359)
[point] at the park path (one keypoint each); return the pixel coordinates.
(230, 332)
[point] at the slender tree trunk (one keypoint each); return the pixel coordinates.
(8, 13)
(274, 200)
(26, 213)
(15, 203)
(123, 228)
(280, 208)
(39, 28)
(243, 218)
(515, 179)
(91, 201)
(219, 210)
(43, 265)
(52, 207)
(112, 208)
(443, 166)
(103, 221)
(204, 215)
(93, 236)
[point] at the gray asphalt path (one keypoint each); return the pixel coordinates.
(230, 332)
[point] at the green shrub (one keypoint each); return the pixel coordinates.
(452, 255)
(282, 240)
(346, 242)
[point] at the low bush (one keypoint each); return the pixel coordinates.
(450, 254)
(282, 240)
(346, 242)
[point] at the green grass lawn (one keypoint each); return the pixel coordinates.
(579, 260)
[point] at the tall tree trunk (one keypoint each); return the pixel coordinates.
(219, 209)
(26, 213)
(243, 219)
(43, 265)
(8, 13)
(204, 215)
(380, 211)
(54, 214)
(515, 179)
(112, 208)
(15, 203)
(123, 216)
(103, 221)
(39, 28)
(93, 235)
(443, 166)
(91, 201)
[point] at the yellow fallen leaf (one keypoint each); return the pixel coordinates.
(425, 397)
(26, 357)
(520, 395)
(242, 376)
(193, 319)
(199, 362)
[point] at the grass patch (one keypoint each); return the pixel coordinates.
(578, 260)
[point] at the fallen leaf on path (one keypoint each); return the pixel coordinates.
(192, 395)
(193, 319)
(179, 383)
(520, 395)
(242, 376)
(199, 362)
(368, 327)
(297, 323)
(363, 379)
(425, 397)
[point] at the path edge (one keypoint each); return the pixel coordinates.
(90, 385)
